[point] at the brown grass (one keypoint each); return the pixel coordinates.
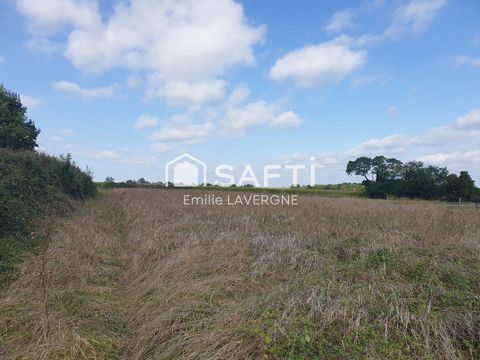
(137, 275)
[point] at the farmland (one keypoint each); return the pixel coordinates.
(135, 274)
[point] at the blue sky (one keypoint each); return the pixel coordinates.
(125, 86)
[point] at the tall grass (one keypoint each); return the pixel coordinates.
(137, 275)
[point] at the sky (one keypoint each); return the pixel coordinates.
(127, 85)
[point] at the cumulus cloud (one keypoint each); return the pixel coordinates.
(189, 93)
(46, 17)
(233, 117)
(239, 116)
(318, 64)
(177, 43)
(145, 121)
(73, 89)
(286, 120)
(30, 101)
(340, 21)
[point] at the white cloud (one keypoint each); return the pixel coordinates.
(451, 146)
(391, 143)
(392, 111)
(340, 21)
(74, 89)
(30, 101)
(145, 121)
(239, 95)
(318, 64)
(237, 119)
(161, 147)
(49, 16)
(410, 17)
(175, 42)
(286, 120)
(233, 117)
(469, 121)
(190, 93)
(190, 133)
(414, 17)
(2, 59)
(464, 60)
(455, 156)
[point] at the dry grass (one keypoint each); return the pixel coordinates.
(136, 275)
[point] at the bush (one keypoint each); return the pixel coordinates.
(33, 184)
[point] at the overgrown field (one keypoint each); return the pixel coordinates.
(137, 275)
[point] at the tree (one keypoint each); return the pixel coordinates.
(109, 180)
(17, 132)
(460, 187)
(361, 167)
(386, 169)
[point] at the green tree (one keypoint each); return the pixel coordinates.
(17, 132)
(360, 167)
(460, 187)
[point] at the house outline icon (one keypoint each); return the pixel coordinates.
(185, 170)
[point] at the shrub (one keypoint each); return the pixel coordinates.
(34, 184)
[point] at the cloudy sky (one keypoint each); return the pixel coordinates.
(127, 85)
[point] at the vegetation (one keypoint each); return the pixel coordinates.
(17, 132)
(330, 190)
(135, 275)
(32, 185)
(390, 177)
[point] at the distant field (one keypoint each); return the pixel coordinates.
(334, 190)
(136, 275)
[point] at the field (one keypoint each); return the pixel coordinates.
(134, 274)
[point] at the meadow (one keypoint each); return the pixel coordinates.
(134, 274)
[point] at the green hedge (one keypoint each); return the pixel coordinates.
(34, 184)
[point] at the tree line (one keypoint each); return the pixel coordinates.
(384, 177)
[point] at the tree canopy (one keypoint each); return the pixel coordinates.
(17, 132)
(390, 177)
